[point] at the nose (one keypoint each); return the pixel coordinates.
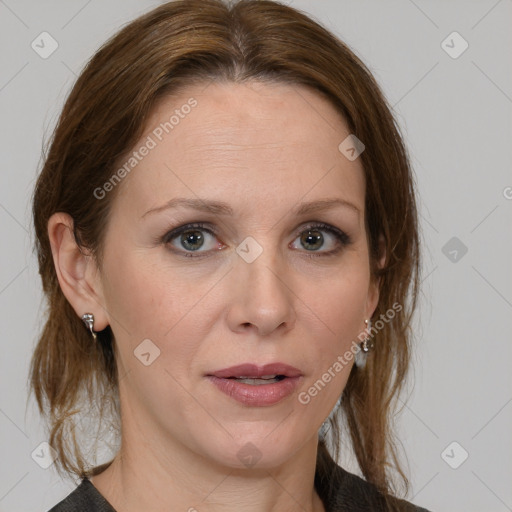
(262, 298)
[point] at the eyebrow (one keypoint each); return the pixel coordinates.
(221, 208)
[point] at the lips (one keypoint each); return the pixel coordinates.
(257, 386)
(252, 371)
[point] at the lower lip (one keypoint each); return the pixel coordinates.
(256, 395)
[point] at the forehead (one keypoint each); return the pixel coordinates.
(251, 143)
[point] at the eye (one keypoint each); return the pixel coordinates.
(192, 238)
(312, 239)
(200, 239)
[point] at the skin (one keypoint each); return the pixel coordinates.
(263, 149)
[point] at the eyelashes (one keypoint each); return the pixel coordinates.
(189, 228)
(310, 234)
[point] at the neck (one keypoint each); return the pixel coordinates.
(160, 475)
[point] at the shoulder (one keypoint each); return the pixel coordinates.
(346, 492)
(84, 497)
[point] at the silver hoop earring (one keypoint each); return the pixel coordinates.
(364, 347)
(88, 320)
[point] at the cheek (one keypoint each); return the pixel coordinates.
(148, 300)
(148, 313)
(339, 308)
(340, 304)
(134, 293)
(143, 298)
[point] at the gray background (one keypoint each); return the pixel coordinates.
(455, 116)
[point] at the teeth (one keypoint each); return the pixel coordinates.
(256, 382)
(263, 377)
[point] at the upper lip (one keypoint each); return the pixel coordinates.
(251, 370)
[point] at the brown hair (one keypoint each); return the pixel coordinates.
(180, 43)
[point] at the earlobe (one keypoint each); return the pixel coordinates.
(374, 289)
(381, 261)
(373, 298)
(76, 271)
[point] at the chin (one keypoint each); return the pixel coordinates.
(253, 452)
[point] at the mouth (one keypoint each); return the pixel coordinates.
(255, 385)
(253, 372)
(253, 381)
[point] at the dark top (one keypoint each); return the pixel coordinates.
(353, 495)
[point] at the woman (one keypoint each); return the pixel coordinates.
(225, 208)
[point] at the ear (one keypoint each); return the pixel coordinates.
(77, 272)
(374, 288)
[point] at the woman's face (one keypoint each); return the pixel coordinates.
(254, 280)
